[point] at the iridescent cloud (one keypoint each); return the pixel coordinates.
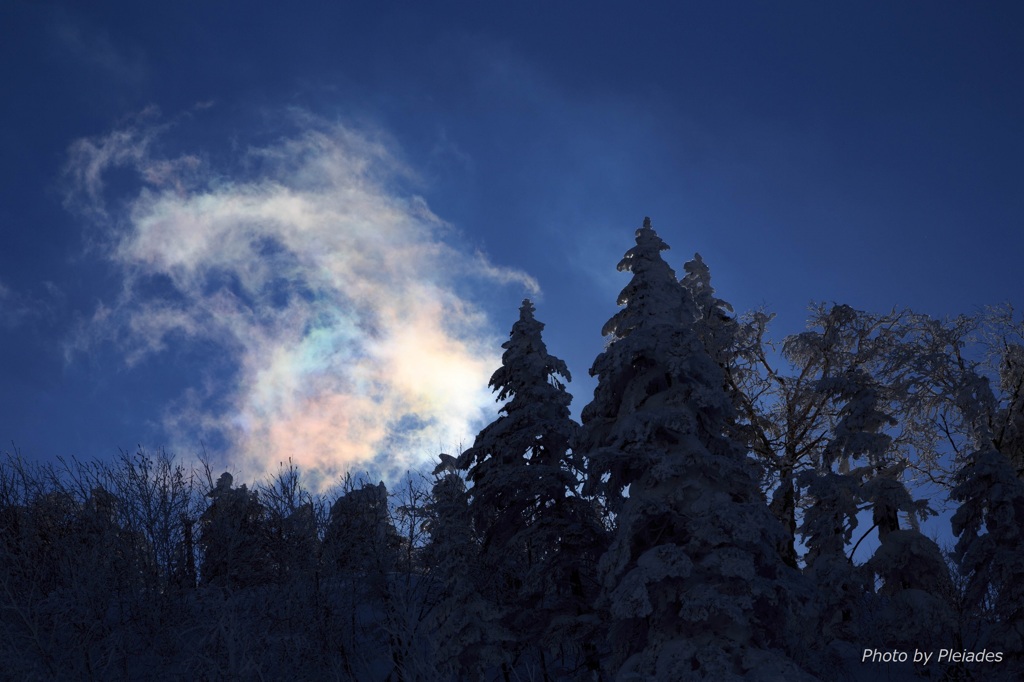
(337, 297)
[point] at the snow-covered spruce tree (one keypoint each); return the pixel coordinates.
(913, 608)
(990, 527)
(539, 539)
(464, 626)
(722, 337)
(1009, 420)
(714, 322)
(858, 449)
(233, 538)
(360, 554)
(693, 583)
(990, 549)
(858, 470)
(827, 529)
(361, 538)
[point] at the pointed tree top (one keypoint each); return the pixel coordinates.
(698, 275)
(653, 296)
(526, 309)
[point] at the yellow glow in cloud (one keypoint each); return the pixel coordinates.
(334, 295)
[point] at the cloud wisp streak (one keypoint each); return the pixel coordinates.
(336, 297)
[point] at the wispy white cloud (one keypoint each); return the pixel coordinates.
(90, 158)
(337, 296)
(483, 267)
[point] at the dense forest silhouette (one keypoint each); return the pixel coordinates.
(706, 520)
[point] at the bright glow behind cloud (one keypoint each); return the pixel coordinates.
(336, 297)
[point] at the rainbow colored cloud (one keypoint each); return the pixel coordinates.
(337, 298)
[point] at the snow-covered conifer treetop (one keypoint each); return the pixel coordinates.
(652, 371)
(535, 421)
(526, 360)
(649, 294)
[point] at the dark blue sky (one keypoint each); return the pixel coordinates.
(407, 173)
